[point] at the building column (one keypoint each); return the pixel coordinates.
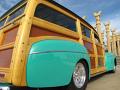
(118, 44)
(107, 26)
(114, 42)
(102, 34)
(98, 24)
(111, 44)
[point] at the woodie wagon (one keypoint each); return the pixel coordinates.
(43, 44)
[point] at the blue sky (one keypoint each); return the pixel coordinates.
(110, 9)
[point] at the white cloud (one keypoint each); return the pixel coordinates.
(115, 23)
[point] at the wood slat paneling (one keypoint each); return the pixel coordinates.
(10, 35)
(89, 46)
(5, 58)
(37, 32)
(99, 50)
(92, 61)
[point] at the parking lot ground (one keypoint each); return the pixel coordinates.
(107, 81)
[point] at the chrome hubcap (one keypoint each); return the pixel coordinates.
(114, 67)
(79, 75)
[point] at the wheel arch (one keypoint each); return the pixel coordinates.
(87, 64)
(87, 67)
(115, 62)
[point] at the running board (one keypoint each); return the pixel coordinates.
(93, 75)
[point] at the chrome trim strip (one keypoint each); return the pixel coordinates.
(56, 51)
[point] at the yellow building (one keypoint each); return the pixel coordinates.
(115, 43)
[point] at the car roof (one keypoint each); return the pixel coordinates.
(11, 9)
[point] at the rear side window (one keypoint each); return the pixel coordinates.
(97, 40)
(53, 16)
(2, 22)
(85, 31)
(16, 13)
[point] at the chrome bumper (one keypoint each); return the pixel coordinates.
(4, 88)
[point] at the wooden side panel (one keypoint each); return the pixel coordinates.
(100, 61)
(99, 50)
(89, 46)
(10, 35)
(37, 32)
(92, 61)
(5, 58)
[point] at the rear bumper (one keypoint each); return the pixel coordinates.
(16, 88)
(4, 88)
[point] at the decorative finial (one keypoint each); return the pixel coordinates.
(98, 13)
(84, 17)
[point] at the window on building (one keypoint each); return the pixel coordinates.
(17, 13)
(53, 16)
(85, 31)
(2, 22)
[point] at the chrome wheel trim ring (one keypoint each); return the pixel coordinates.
(114, 68)
(79, 75)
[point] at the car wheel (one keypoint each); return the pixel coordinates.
(114, 69)
(80, 77)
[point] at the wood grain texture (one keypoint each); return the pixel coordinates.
(5, 58)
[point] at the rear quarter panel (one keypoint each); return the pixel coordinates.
(52, 62)
(109, 61)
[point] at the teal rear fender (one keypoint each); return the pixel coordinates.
(51, 62)
(110, 61)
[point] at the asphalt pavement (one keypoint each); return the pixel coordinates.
(107, 81)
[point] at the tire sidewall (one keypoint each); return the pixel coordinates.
(72, 85)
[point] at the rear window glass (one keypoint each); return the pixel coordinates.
(97, 40)
(2, 22)
(85, 31)
(17, 13)
(53, 16)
